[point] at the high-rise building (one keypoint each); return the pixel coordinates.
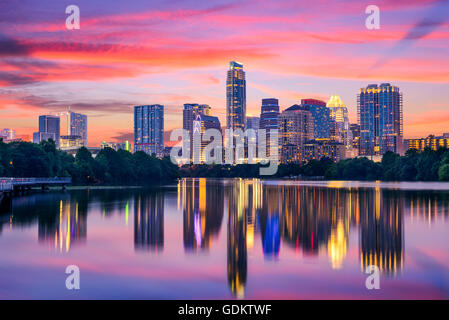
(295, 129)
(253, 123)
(197, 119)
(49, 128)
(380, 117)
(269, 114)
(191, 110)
(200, 125)
(149, 129)
(77, 126)
(355, 130)
(340, 131)
(236, 97)
(8, 134)
(321, 117)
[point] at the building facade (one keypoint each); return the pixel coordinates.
(340, 130)
(116, 145)
(431, 142)
(269, 115)
(69, 143)
(77, 126)
(295, 128)
(8, 134)
(321, 117)
(379, 110)
(49, 128)
(317, 149)
(197, 118)
(236, 97)
(149, 129)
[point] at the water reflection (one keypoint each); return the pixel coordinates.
(203, 209)
(253, 217)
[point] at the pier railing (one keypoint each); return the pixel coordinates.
(8, 184)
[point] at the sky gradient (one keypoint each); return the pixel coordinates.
(175, 52)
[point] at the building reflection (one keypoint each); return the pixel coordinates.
(149, 222)
(381, 230)
(237, 261)
(202, 207)
(65, 229)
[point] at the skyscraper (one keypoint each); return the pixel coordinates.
(197, 119)
(253, 123)
(321, 117)
(340, 131)
(379, 111)
(295, 129)
(49, 128)
(77, 126)
(149, 129)
(236, 97)
(269, 114)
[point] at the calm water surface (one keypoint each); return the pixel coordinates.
(219, 239)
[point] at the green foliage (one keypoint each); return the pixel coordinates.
(23, 159)
(443, 172)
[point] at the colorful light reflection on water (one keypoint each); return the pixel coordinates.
(219, 239)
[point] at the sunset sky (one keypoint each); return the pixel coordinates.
(174, 52)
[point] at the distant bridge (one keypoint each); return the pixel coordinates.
(11, 184)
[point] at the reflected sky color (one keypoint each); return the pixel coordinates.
(219, 239)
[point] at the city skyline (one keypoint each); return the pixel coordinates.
(47, 68)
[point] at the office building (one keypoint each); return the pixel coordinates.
(197, 118)
(355, 130)
(8, 134)
(321, 117)
(77, 126)
(149, 129)
(269, 114)
(49, 128)
(431, 142)
(295, 128)
(340, 131)
(236, 97)
(317, 149)
(116, 145)
(70, 143)
(379, 111)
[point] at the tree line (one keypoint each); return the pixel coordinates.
(428, 165)
(109, 167)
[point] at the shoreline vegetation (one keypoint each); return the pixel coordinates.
(124, 169)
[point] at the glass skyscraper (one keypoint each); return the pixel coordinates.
(379, 111)
(77, 123)
(269, 114)
(236, 97)
(149, 129)
(321, 117)
(49, 128)
(340, 126)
